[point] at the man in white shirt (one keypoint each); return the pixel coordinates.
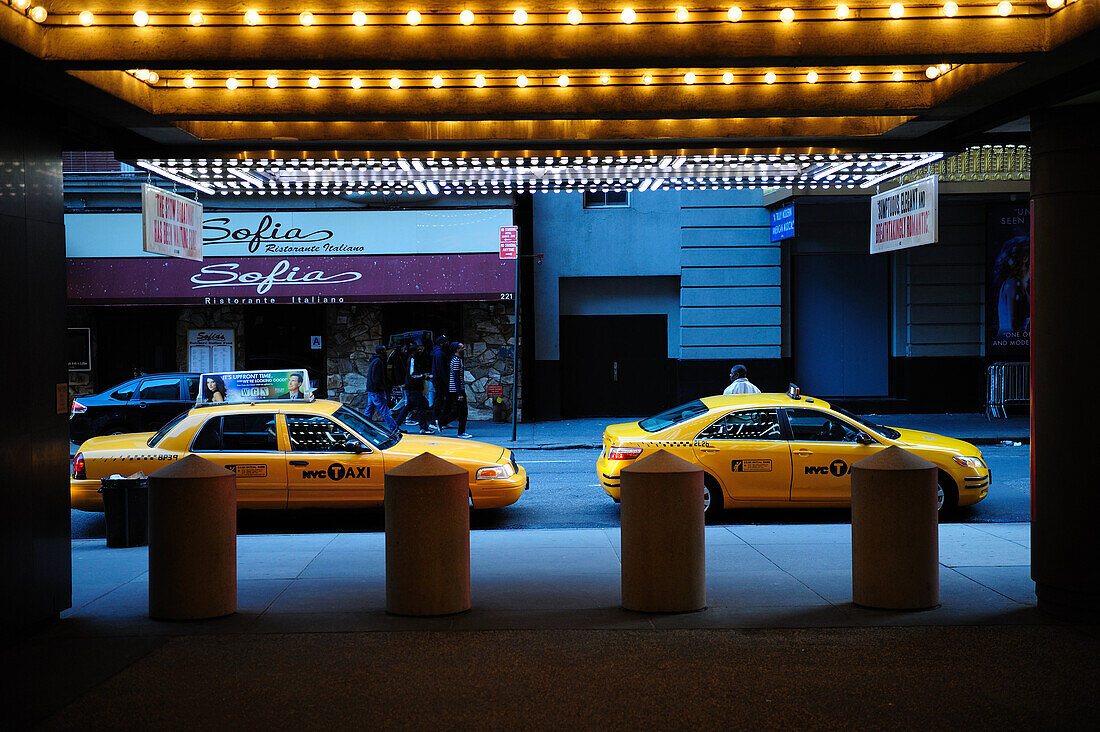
(739, 376)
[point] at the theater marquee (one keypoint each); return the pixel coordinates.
(272, 257)
(907, 216)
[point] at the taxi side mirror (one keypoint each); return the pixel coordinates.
(353, 445)
(864, 439)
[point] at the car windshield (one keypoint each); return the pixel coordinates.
(166, 429)
(366, 429)
(676, 415)
(888, 432)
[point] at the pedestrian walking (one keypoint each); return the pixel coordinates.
(376, 388)
(456, 390)
(415, 371)
(739, 381)
(441, 363)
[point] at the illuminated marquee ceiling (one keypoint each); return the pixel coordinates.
(380, 81)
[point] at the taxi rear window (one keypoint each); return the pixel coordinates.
(166, 429)
(676, 415)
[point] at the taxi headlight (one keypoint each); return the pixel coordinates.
(969, 462)
(495, 472)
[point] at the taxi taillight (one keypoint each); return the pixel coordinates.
(78, 467)
(78, 408)
(623, 453)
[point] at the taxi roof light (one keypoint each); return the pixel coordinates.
(793, 392)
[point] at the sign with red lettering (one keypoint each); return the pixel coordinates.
(509, 242)
(494, 390)
(907, 216)
(171, 224)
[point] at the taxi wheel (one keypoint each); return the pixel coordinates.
(712, 498)
(947, 495)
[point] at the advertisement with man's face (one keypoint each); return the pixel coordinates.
(254, 386)
(1008, 281)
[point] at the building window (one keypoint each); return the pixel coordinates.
(607, 199)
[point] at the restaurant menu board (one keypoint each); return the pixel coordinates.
(254, 386)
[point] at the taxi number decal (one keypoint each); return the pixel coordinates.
(158, 458)
(249, 471)
(751, 466)
(336, 471)
(837, 468)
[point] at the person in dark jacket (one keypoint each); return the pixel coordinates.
(376, 388)
(441, 374)
(415, 371)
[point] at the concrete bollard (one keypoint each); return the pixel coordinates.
(663, 544)
(895, 532)
(192, 541)
(427, 537)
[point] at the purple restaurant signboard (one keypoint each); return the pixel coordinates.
(272, 257)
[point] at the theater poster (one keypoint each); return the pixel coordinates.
(1008, 281)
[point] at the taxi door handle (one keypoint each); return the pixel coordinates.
(708, 450)
(299, 463)
(802, 452)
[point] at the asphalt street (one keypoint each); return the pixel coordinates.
(565, 494)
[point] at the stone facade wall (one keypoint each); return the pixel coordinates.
(352, 332)
(489, 334)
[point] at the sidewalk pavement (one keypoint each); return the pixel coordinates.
(588, 432)
(547, 646)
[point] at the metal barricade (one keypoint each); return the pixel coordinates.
(1007, 384)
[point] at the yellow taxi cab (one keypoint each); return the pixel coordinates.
(292, 454)
(771, 450)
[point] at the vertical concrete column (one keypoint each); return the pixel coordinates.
(192, 541)
(427, 537)
(663, 544)
(1065, 194)
(895, 532)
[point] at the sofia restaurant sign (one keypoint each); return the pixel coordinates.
(271, 257)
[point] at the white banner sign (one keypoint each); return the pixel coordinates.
(907, 216)
(171, 224)
(303, 233)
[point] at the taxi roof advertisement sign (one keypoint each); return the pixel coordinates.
(907, 216)
(171, 224)
(254, 386)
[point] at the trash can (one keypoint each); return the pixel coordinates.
(126, 510)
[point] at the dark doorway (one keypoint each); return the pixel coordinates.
(279, 337)
(841, 324)
(131, 341)
(614, 365)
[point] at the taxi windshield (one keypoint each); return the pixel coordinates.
(166, 429)
(673, 416)
(366, 429)
(887, 432)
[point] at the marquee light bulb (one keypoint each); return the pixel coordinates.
(932, 72)
(359, 18)
(519, 17)
(854, 76)
(605, 79)
(786, 15)
(305, 18)
(196, 18)
(252, 17)
(466, 17)
(21, 4)
(811, 77)
(356, 82)
(413, 17)
(563, 80)
(154, 77)
(395, 83)
(842, 11)
(647, 79)
(437, 81)
(689, 77)
(734, 14)
(950, 9)
(897, 10)
(897, 75)
(521, 81)
(769, 78)
(681, 15)
(944, 68)
(727, 78)
(1004, 8)
(272, 82)
(575, 16)
(231, 83)
(628, 15)
(86, 18)
(1055, 4)
(189, 82)
(479, 81)
(141, 19)
(314, 82)
(142, 74)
